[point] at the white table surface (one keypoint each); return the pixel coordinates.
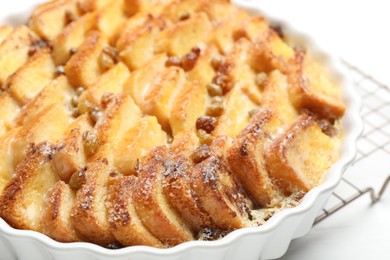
(358, 31)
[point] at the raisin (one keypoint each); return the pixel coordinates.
(223, 81)
(184, 17)
(109, 57)
(206, 123)
(77, 179)
(189, 61)
(91, 143)
(201, 153)
(214, 89)
(217, 61)
(216, 107)
(74, 101)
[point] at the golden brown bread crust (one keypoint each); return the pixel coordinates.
(71, 37)
(70, 156)
(68, 161)
(151, 204)
(49, 125)
(125, 224)
(246, 158)
(296, 159)
(23, 197)
(15, 51)
(158, 99)
(109, 83)
(83, 68)
(140, 80)
(188, 106)
(144, 135)
(272, 53)
(166, 120)
(59, 13)
(55, 221)
(176, 182)
(276, 97)
(136, 41)
(195, 30)
(237, 70)
(235, 115)
(220, 196)
(313, 91)
(120, 115)
(58, 91)
(135, 6)
(88, 214)
(38, 72)
(109, 19)
(86, 6)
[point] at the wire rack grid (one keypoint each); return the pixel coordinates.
(373, 145)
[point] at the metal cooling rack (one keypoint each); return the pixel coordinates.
(375, 140)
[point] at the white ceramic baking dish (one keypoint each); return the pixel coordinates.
(269, 241)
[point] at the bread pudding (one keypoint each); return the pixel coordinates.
(134, 122)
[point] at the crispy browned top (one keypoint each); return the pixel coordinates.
(137, 122)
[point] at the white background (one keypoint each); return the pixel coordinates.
(358, 31)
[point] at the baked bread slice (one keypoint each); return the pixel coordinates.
(70, 156)
(57, 91)
(38, 72)
(23, 197)
(84, 66)
(49, 19)
(89, 213)
(125, 223)
(55, 221)
(297, 159)
(312, 90)
(246, 158)
(176, 182)
(220, 196)
(150, 202)
(14, 51)
(134, 122)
